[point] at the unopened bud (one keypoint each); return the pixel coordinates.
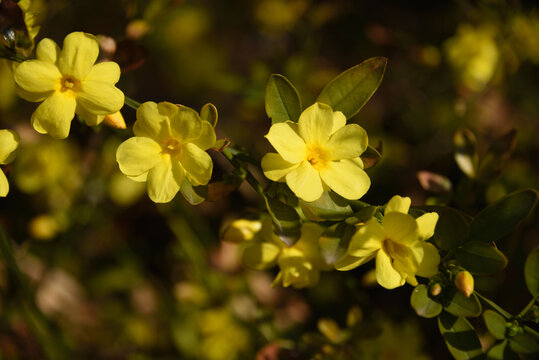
(464, 282)
(115, 120)
(435, 289)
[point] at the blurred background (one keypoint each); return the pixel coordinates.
(114, 276)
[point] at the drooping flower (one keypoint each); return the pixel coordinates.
(9, 141)
(68, 83)
(168, 150)
(398, 244)
(300, 264)
(319, 152)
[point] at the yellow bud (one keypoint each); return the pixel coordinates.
(329, 328)
(435, 289)
(44, 227)
(241, 230)
(115, 120)
(464, 282)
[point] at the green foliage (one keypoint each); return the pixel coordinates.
(451, 229)
(463, 306)
(525, 341)
(494, 160)
(481, 258)
(282, 100)
(460, 337)
(349, 91)
(501, 351)
(286, 221)
(500, 218)
(330, 206)
(423, 305)
(531, 272)
(495, 324)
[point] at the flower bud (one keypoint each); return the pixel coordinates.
(464, 282)
(435, 289)
(115, 120)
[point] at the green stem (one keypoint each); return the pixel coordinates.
(131, 103)
(495, 306)
(249, 176)
(527, 308)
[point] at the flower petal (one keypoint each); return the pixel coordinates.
(367, 239)
(107, 72)
(398, 204)
(99, 97)
(346, 178)
(348, 142)
(400, 227)
(36, 76)
(261, 256)
(138, 155)
(316, 123)
(185, 124)
(54, 115)
(164, 180)
(79, 53)
(197, 164)
(89, 118)
(4, 185)
(426, 224)
(48, 50)
(287, 142)
(386, 275)
(206, 139)
(153, 120)
(431, 259)
(275, 167)
(349, 262)
(9, 141)
(305, 182)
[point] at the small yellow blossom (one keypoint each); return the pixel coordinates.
(9, 141)
(398, 244)
(300, 264)
(318, 153)
(68, 83)
(168, 150)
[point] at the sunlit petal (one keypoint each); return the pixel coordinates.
(348, 142)
(287, 142)
(305, 182)
(79, 53)
(153, 120)
(431, 259)
(367, 239)
(9, 141)
(316, 123)
(137, 155)
(398, 204)
(107, 72)
(275, 167)
(47, 50)
(346, 179)
(197, 163)
(36, 76)
(400, 227)
(185, 124)
(100, 98)
(386, 275)
(426, 224)
(164, 180)
(54, 115)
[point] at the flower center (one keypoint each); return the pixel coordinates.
(317, 156)
(172, 147)
(69, 83)
(394, 249)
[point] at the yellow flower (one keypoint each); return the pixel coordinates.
(168, 150)
(68, 83)
(398, 244)
(9, 141)
(317, 153)
(299, 264)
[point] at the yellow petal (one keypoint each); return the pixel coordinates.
(318, 122)
(431, 259)
(386, 275)
(400, 227)
(348, 142)
(197, 164)
(206, 139)
(346, 179)
(261, 256)
(153, 120)
(185, 124)
(107, 72)
(32, 96)
(275, 167)
(9, 141)
(89, 118)
(48, 50)
(305, 182)
(349, 262)
(287, 142)
(4, 185)
(140, 178)
(36, 76)
(426, 224)
(138, 155)
(98, 97)
(398, 204)
(367, 239)
(79, 53)
(164, 180)
(54, 115)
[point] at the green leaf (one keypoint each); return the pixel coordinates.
(209, 113)
(349, 91)
(282, 100)
(460, 305)
(501, 352)
(465, 152)
(496, 156)
(329, 206)
(526, 342)
(460, 337)
(335, 240)
(423, 305)
(286, 221)
(481, 258)
(495, 324)
(500, 218)
(531, 272)
(451, 229)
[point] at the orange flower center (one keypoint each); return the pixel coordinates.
(172, 147)
(317, 156)
(69, 83)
